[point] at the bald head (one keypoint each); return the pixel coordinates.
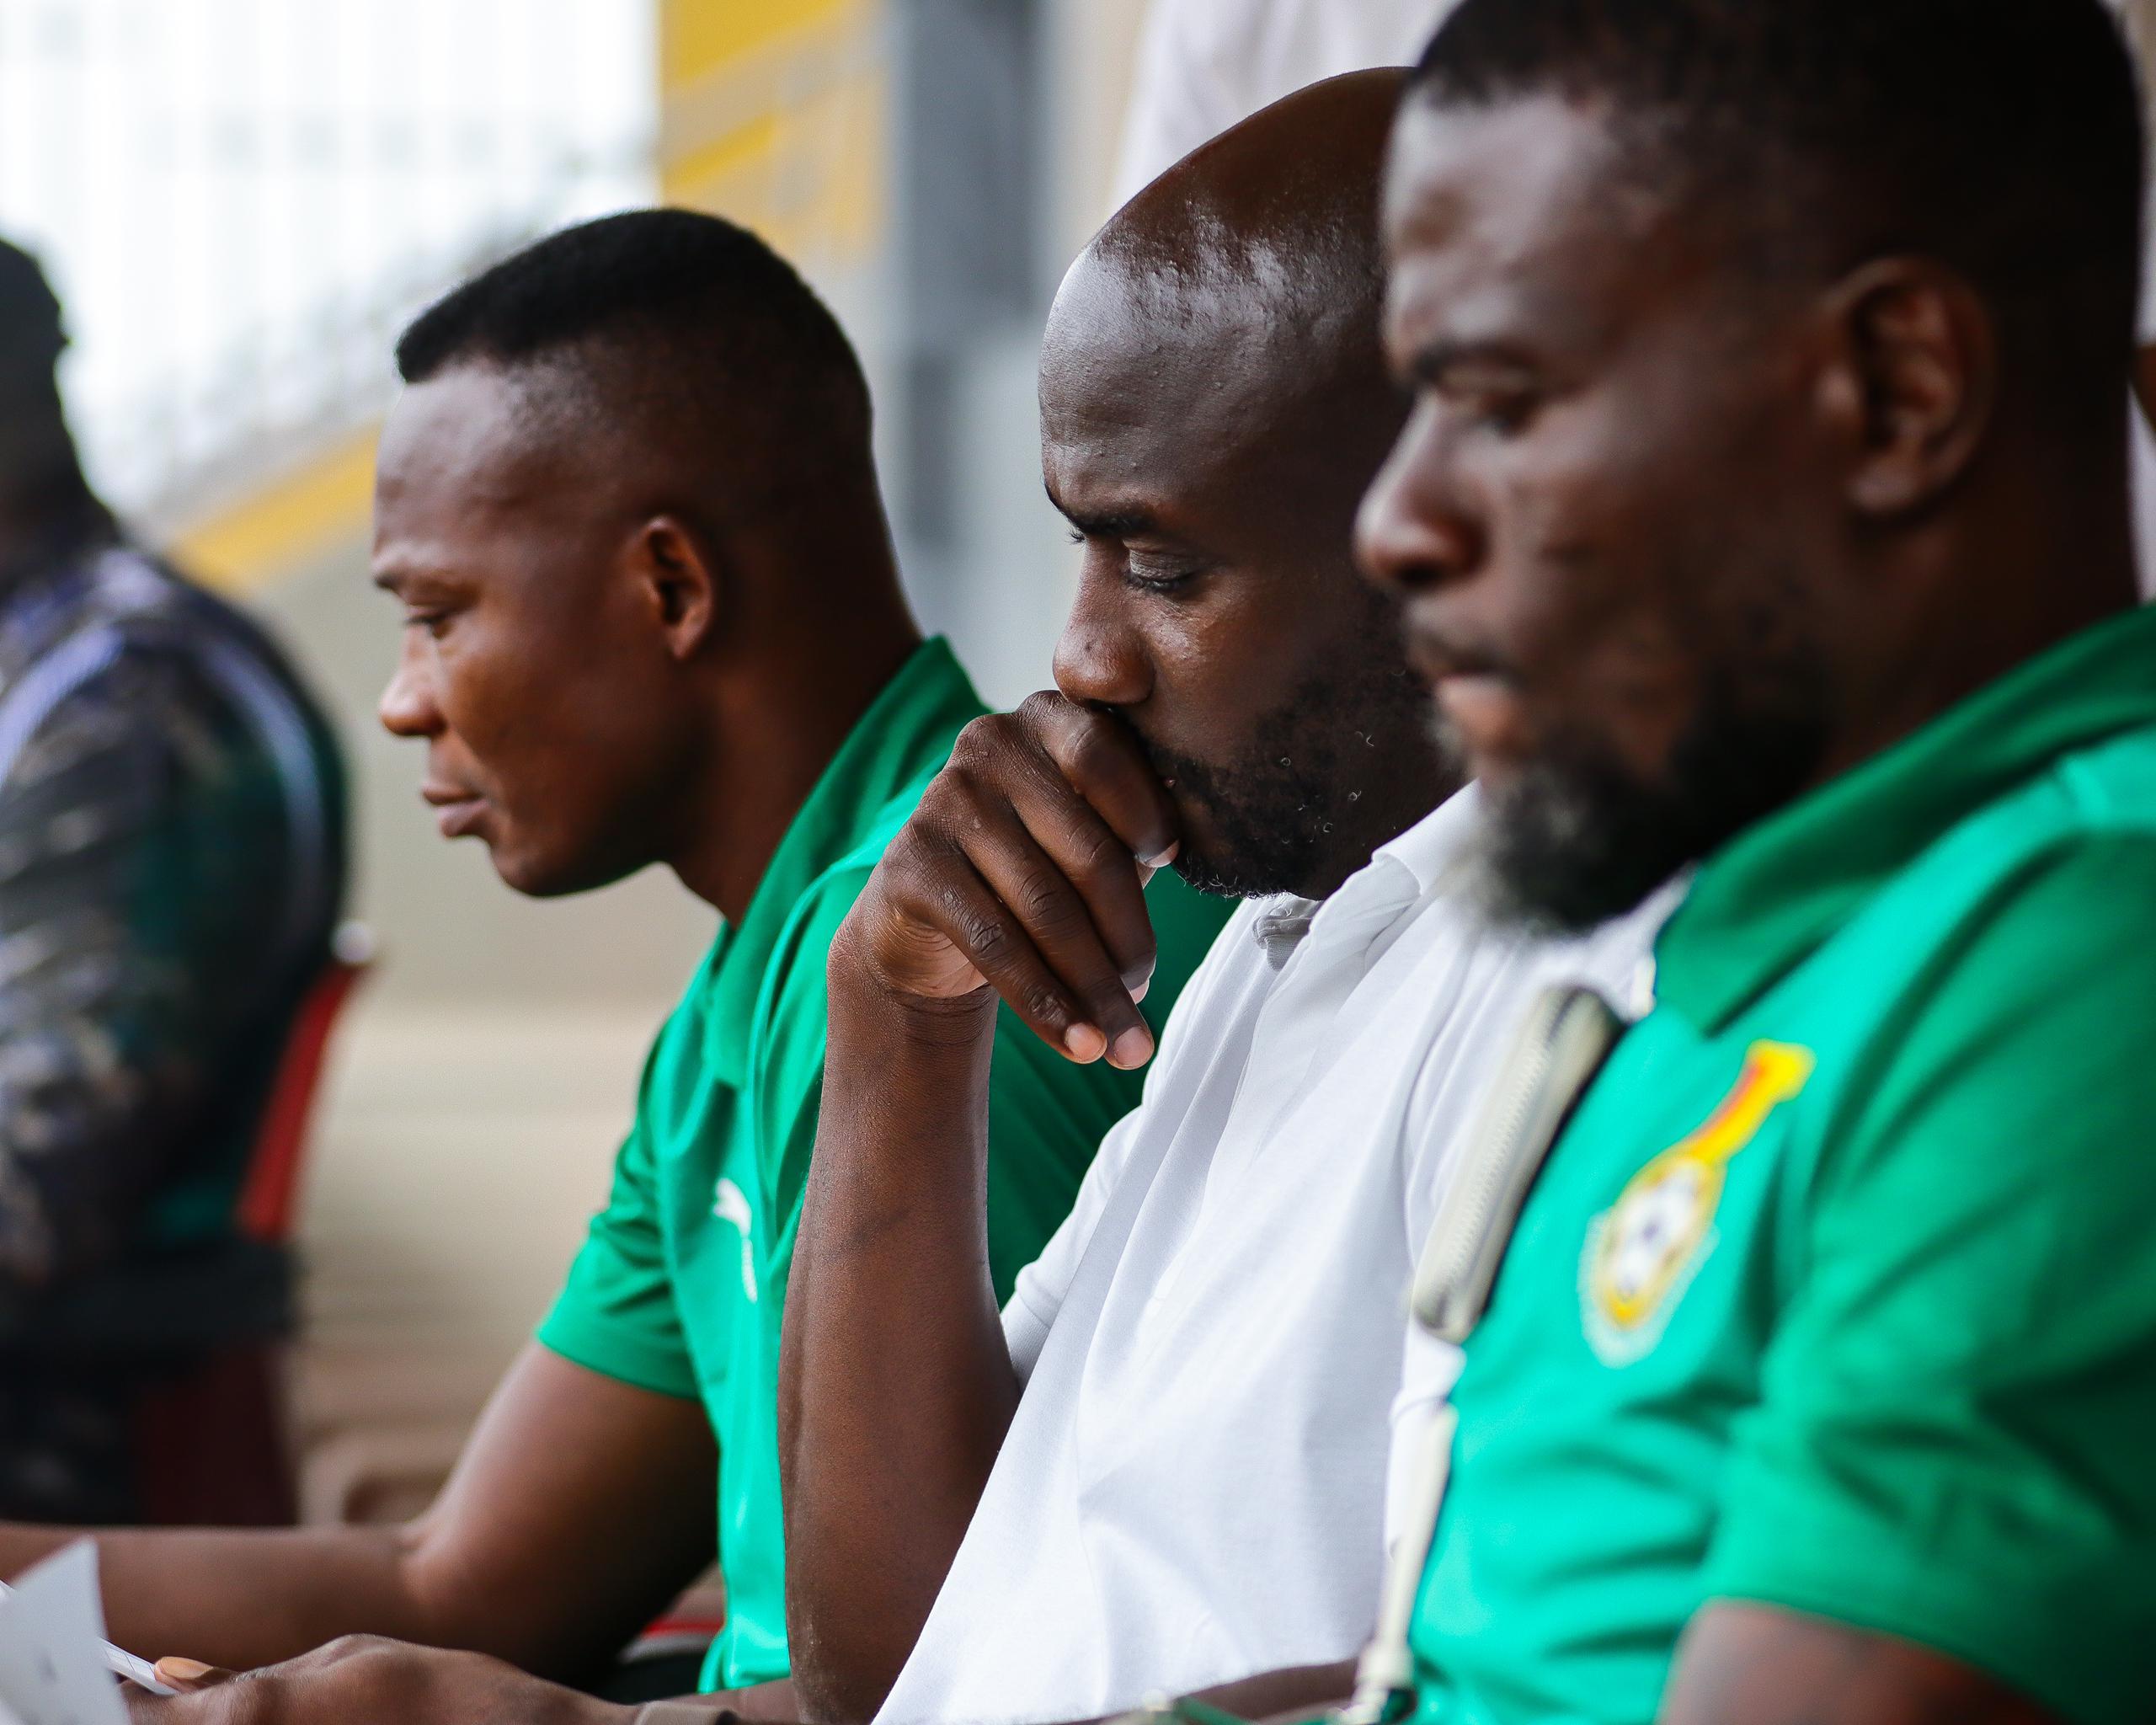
(1214, 402)
(1245, 284)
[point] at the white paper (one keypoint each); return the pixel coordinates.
(52, 1663)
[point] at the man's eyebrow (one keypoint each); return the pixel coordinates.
(394, 577)
(1109, 524)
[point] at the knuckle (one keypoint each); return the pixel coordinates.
(1047, 904)
(1088, 749)
(987, 941)
(1039, 1001)
(1042, 707)
(948, 790)
(981, 741)
(1103, 861)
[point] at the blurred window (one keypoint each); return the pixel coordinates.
(240, 201)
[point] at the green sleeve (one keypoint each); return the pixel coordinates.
(1047, 1118)
(1958, 1420)
(616, 1313)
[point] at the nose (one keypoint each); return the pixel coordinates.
(1101, 656)
(1411, 532)
(407, 706)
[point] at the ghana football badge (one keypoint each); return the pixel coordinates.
(1643, 1251)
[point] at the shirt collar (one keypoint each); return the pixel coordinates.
(1776, 892)
(905, 736)
(1401, 872)
(1433, 847)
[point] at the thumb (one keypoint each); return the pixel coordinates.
(187, 1675)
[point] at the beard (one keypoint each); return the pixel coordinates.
(1301, 802)
(1578, 837)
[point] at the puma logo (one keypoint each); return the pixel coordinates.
(733, 1207)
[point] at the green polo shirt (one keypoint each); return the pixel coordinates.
(678, 1289)
(1840, 1292)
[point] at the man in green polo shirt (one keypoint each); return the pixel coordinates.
(627, 504)
(1764, 507)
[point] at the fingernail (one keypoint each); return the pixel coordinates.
(1132, 1048)
(1144, 987)
(1166, 856)
(182, 1670)
(1085, 1042)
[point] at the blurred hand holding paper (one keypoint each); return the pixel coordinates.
(52, 1661)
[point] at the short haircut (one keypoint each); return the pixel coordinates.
(676, 312)
(2002, 137)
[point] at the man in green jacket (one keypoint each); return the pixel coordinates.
(1764, 507)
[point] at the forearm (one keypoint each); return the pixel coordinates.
(1746, 1665)
(244, 1598)
(1303, 1692)
(896, 1388)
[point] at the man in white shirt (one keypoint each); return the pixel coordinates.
(1164, 1465)
(1203, 65)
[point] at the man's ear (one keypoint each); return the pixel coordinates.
(1911, 380)
(679, 578)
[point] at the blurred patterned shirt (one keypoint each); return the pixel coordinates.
(172, 864)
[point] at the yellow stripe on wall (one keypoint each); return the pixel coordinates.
(327, 503)
(300, 516)
(697, 36)
(773, 114)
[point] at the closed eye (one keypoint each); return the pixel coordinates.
(1157, 575)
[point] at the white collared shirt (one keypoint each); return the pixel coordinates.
(1194, 1487)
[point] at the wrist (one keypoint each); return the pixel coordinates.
(869, 1010)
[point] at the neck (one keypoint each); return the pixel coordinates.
(1987, 602)
(774, 730)
(38, 521)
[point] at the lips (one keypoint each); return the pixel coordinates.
(458, 810)
(1478, 695)
(1438, 660)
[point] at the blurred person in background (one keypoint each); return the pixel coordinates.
(1204, 65)
(651, 615)
(172, 868)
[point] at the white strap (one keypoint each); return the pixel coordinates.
(1566, 1036)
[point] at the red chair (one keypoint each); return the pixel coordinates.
(270, 1200)
(213, 1446)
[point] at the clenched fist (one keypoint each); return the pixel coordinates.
(1023, 870)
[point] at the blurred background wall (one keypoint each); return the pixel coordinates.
(240, 202)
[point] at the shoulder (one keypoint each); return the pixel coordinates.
(126, 636)
(2039, 892)
(2006, 1066)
